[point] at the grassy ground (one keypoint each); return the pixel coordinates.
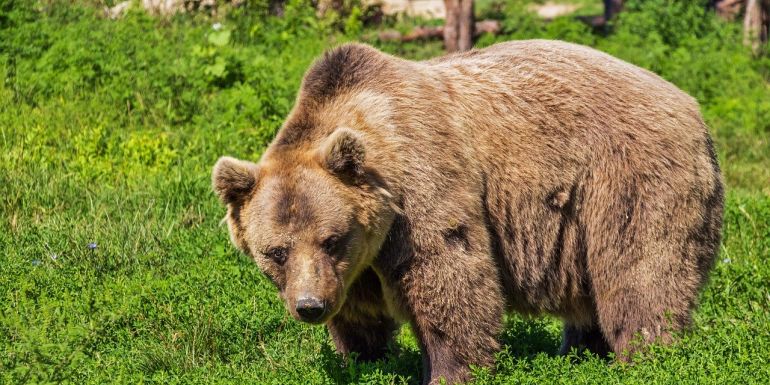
(114, 267)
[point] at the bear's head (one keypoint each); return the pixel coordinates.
(312, 218)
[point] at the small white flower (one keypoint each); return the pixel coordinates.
(216, 26)
(727, 260)
(54, 256)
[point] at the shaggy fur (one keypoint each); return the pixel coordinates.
(537, 176)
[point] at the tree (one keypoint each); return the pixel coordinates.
(612, 8)
(458, 25)
(756, 23)
(756, 18)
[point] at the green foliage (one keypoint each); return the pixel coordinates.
(109, 129)
(353, 24)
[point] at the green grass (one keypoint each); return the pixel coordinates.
(108, 131)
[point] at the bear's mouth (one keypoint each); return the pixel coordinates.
(314, 321)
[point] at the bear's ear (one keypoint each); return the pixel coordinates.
(343, 154)
(233, 179)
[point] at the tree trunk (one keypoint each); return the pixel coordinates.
(465, 42)
(612, 8)
(756, 23)
(451, 25)
(458, 25)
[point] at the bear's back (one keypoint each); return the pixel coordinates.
(565, 93)
(573, 73)
(568, 62)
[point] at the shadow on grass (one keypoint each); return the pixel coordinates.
(526, 338)
(521, 338)
(401, 365)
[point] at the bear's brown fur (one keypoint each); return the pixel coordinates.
(538, 176)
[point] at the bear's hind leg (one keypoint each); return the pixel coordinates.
(583, 338)
(632, 320)
(650, 243)
(643, 291)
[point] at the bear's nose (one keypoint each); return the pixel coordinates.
(310, 309)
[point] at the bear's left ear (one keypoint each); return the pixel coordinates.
(343, 154)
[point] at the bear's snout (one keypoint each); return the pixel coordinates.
(310, 309)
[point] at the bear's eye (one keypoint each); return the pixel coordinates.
(277, 254)
(331, 244)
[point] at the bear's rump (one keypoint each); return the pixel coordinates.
(551, 241)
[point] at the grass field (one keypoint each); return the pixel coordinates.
(114, 267)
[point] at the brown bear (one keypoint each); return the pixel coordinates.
(535, 176)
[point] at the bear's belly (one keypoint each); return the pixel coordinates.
(540, 248)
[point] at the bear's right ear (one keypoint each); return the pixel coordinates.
(343, 154)
(233, 179)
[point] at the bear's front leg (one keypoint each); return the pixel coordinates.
(363, 326)
(456, 304)
(368, 338)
